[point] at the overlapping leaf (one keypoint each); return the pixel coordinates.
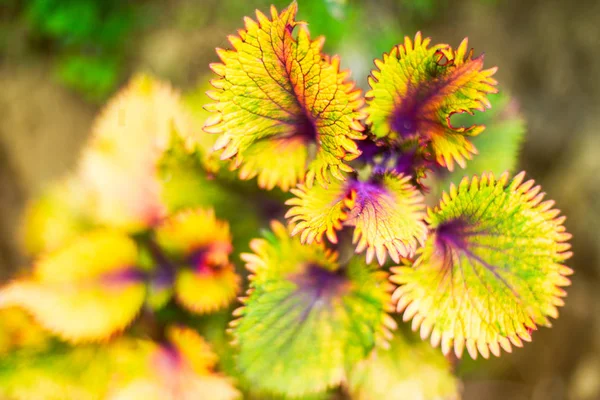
(386, 211)
(181, 369)
(128, 138)
(194, 101)
(185, 184)
(417, 88)
(409, 369)
(491, 270)
(306, 319)
(82, 372)
(85, 291)
(56, 217)
(200, 244)
(280, 93)
(18, 330)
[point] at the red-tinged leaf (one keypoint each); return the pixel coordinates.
(275, 89)
(200, 244)
(180, 369)
(386, 211)
(417, 88)
(491, 269)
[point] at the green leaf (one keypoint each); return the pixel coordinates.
(83, 372)
(417, 88)
(491, 269)
(408, 369)
(184, 184)
(279, 92)
(307, 319)
(500, 145)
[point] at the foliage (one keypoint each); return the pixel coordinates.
(88, 35)
(287, 97)
(409, 369)
(307, 318)
(137, 250)
(490, 270)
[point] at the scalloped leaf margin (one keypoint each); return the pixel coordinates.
(387, 213)
(416, 89)
(282, 94)
(491, 270)
(306, 320)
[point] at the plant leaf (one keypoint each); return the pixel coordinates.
(191, 230)
(194, 101)
(306, 319)
(57, 216)
(409, 369)
(276, 162)
(417, 88)
(317, 211)
(82, 372)
(208, 292)
(85, 291)
(490, 271)
(19, 331)
(183, 368)
(274, 87)
(128, 139)
(200, 243)
(185, 185)
(386, 211)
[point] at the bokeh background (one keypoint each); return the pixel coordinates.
(60, 60)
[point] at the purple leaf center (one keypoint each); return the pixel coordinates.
(319, 282)
(306, 128)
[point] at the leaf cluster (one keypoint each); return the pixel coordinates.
(142, 251)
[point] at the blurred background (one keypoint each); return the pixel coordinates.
(61, 60)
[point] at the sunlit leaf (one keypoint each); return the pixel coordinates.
(318, 211)
(279, 89)
(307, 319)
(18, 331)
(207, 292)
(57, 216)
(82, 372)
(181, 369)
(128, 138)
(386, 211)
(409, 369)
(491, 269)
(276, 162)
(417, 88)
(195, 100)
(200, 244)
(85, 291)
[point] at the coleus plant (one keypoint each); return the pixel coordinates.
(479, 271)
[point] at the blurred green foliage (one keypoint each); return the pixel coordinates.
(499, 145)
(88, 37)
